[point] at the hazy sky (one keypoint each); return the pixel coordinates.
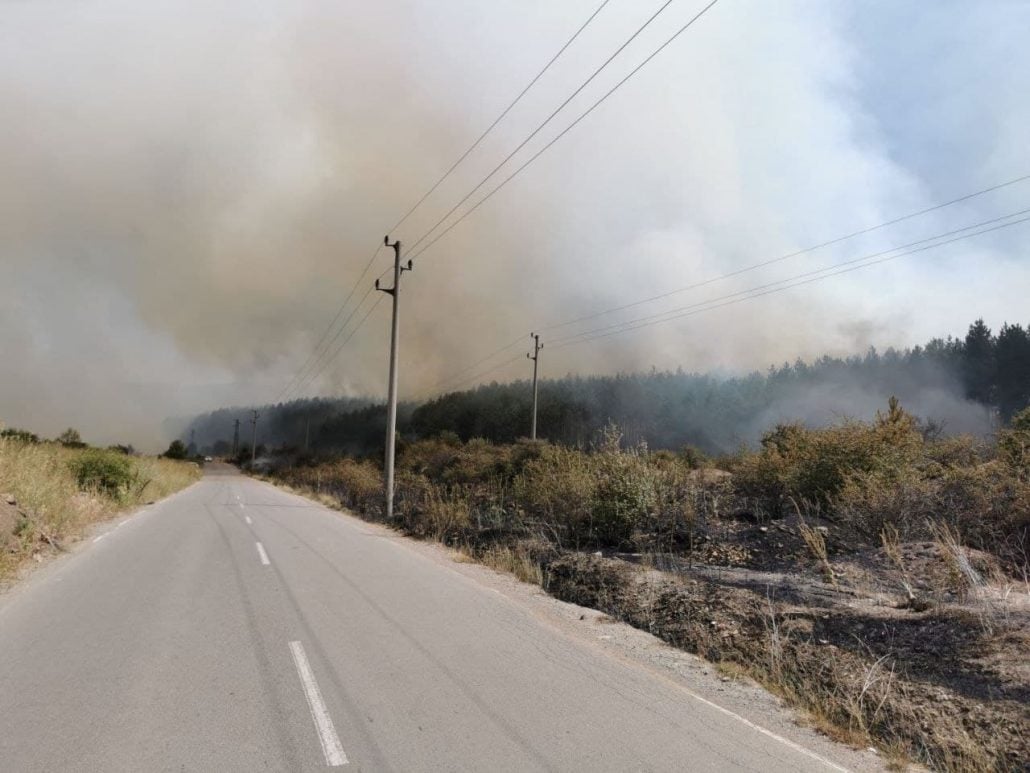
(189, 190)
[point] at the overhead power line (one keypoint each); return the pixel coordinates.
(796, 253)
(456, 378)
(794, 281)
(555, 139)
(597, 71)
(315, 375)
(310, 363)
(317, 366)
(476, 377)
(457, 375)
(312, 358)
(498, 119)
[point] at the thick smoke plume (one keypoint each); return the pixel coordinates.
(190, 191)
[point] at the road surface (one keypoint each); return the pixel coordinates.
(236, 627)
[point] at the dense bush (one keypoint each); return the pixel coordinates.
(109, 472)
(811, 466)
(70, 438)
(556, 491)
(21, 435)
(1014, 444)
(624, 491)
(358, 484)
(887, 474)
(433, 510)
(176, 450)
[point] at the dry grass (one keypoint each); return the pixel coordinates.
(444, 514)
(816, 542)
(53, 509)
(513, 561)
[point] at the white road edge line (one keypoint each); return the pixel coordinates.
(247, 519)
(262, 554)
(331, 746)
(769, 733)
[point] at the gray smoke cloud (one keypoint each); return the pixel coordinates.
(188, 191)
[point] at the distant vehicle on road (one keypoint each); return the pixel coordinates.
(208, 459)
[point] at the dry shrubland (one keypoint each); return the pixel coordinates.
(871, 573)
(52, 493)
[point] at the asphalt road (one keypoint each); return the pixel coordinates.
(235, 627)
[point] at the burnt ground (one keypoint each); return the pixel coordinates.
(926, 652)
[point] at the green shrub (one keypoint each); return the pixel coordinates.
(443, 460)
(556, 491)
(428, 457)
(108, 472)
(694, 458)
(623, 496)
(21, 435)
(813, 465)
(1014, 444)
(176, 450)
(70, 438)
(579, 499)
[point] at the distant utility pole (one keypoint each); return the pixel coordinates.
(535, 357)
(253, 437)
(307, 434)
(391, 400)
(236, 440)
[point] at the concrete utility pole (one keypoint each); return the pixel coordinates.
(236, 439)
(391, 400)
(535, 357)
(253, 437)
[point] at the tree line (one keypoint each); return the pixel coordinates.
(967, 384)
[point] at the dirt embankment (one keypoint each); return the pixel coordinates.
(928, 684)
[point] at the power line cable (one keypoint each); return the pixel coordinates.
(797, 281)
(539, 128)
(345, 341)
(477, 376)
(550, 143)
(310, 362)
(326, 357)
(457, 376)
(498, 119)
(934, 238)
(315, 352)
(321, 359)
(781, 258)
(343, 326)
(829, 242)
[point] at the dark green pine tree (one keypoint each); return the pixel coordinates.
(978, 363)
(1012, 369)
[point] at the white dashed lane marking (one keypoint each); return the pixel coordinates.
(331, 746)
